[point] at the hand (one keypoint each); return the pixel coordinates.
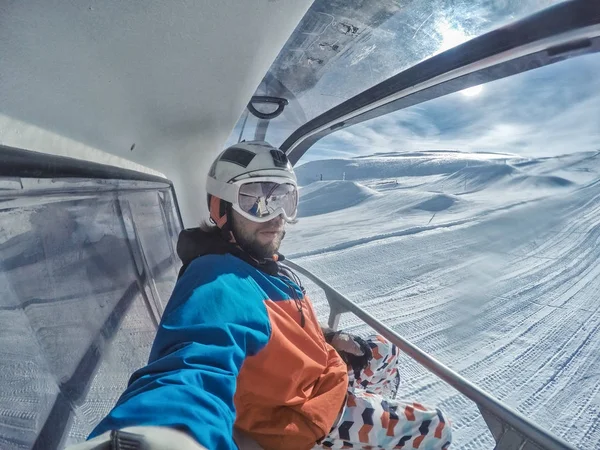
(346, 343)
(354, 350)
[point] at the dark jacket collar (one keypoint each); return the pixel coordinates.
(195, 242)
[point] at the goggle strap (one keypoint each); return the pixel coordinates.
(222, 190)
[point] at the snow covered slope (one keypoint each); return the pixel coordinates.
(327, 196)
(488, 262)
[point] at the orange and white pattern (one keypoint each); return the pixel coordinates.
(381, 375)
(370, 421)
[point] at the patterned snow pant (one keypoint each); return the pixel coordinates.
(369, 420)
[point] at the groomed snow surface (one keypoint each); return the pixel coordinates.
(487, 262)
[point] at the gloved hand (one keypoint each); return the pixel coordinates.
(354, 350)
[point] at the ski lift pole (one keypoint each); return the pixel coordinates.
(510, 429)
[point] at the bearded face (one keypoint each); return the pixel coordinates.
(262, 240)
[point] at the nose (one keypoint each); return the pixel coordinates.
(277, 221)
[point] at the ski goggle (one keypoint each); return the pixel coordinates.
(259, 199)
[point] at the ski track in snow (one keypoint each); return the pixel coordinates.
(507, 296)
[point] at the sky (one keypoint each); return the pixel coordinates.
(546, 112)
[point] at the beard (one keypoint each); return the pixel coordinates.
(250, 243)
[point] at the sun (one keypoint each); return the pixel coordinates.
(451, 35)
(451, 38)
(472, 91)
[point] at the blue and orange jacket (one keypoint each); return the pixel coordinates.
(239, 343)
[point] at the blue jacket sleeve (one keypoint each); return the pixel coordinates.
(213, 321)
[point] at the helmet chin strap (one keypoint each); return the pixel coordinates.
(229, 234)
(227, 229)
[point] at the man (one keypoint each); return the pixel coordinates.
(240, 345)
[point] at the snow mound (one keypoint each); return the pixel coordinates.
(437, 203)
(323, 197)
(529, 163)
(539, 181)
(475, 178)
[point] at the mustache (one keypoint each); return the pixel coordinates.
(280, 231)
(272, 229)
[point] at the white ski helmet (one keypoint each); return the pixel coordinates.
(256, 180)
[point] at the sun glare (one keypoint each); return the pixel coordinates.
(451, 36)
(472, 91)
